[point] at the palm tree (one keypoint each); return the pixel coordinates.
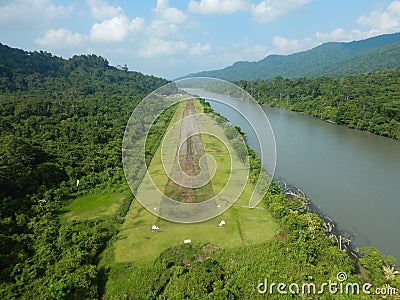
(389, 272)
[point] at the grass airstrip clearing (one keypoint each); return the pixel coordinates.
(136, 242)
(244, 226)
(212, 146)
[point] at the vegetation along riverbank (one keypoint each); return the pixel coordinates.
(369, 102)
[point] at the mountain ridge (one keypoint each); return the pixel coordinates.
(318, 61)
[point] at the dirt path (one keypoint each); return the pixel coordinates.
(188, 157)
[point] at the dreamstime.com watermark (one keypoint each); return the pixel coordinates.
(333, 287)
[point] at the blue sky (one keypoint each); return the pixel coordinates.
(174, 38)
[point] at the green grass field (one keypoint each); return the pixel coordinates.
(130, 254)
(137, 243)
(89, 207)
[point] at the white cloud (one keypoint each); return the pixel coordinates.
(155, 47)
(386, 20)
(159, 47)
(162, 29)
(269, 10)
(115, 26)
(285, 45)
(169, 14)
(23, 14)
(244, 52)
(341, 35)
(112, 30)
(116, 29)
(163, 36)
(394, 8)
(166, 21)
(61, 39)
(101, 10)
(199, 49)
(264, 11)
(218, 6)
(382, 21)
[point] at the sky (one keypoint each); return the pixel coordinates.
(174, 38)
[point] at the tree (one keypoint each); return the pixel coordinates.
(389, 272)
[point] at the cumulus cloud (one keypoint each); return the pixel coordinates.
(156, 47)
(169, 14)
(166, 21)
(285, 45)
(101, 10)
(159, 47)
(269, 10)
(341, 35)
(244, 51)
(386, 20)
(218, 6)
(22, 14)
(115, 26)
(163, 36)
(162, 29)
(61, 38)
(264, 11)
(199, 49)
(116, 29)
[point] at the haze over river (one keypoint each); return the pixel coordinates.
(350, 175)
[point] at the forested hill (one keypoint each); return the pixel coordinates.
(71, 111)
(329, 59)
(22, 70)
(60, 120)
(78, 105)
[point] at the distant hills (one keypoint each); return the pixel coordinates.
(329, 59)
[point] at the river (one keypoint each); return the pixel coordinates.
(352, 176)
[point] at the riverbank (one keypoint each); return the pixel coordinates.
(332, 229)
(367, 101)
(351, 175)
(329, 121)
